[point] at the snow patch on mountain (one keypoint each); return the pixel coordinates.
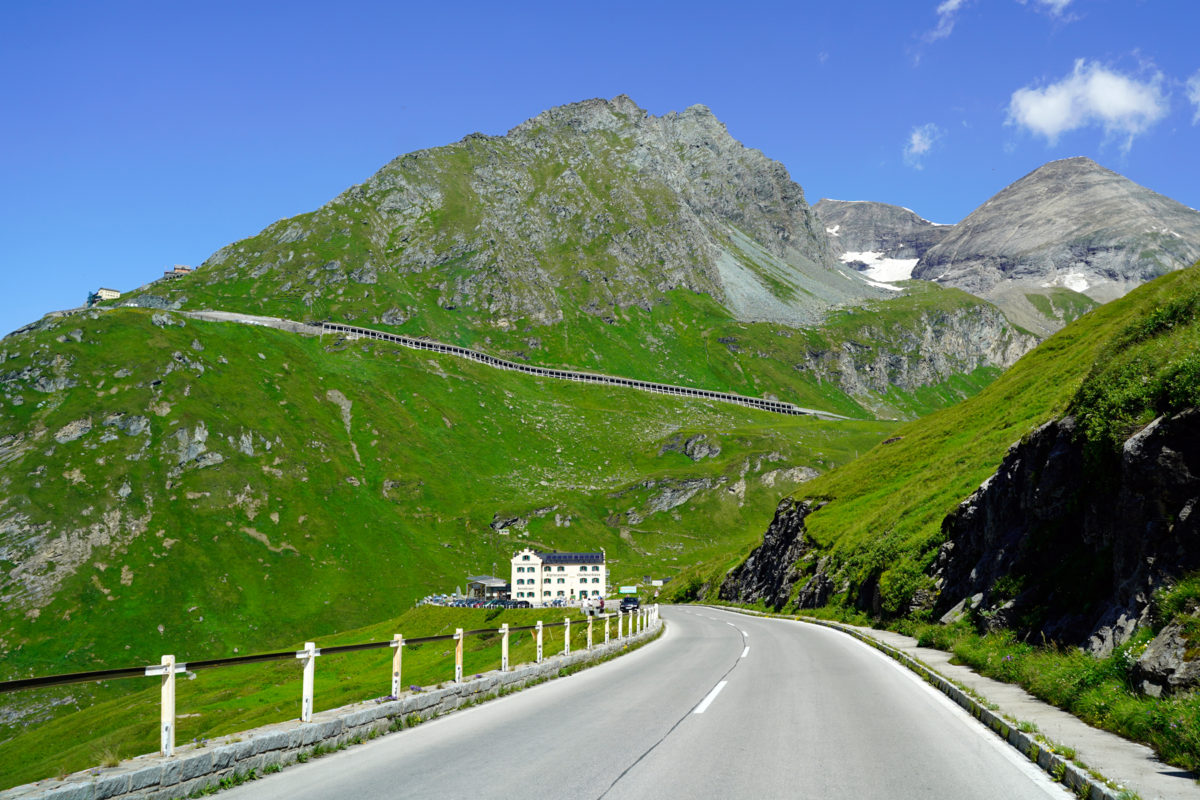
(882, 268)
(1075, 281)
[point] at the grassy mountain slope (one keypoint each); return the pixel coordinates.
(180, 486)
(883, 512)
(594, 236)
(687, 339)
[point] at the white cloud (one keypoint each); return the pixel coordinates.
(920, 141)
(1091, 95)
(947, 11)
(1054, 7)
(1193, 94)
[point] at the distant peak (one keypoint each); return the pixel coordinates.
(624, 103)
(1074, 164)
(585, 114)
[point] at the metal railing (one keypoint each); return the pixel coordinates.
(775, 406)
(627, 625)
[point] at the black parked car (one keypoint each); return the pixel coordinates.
(630, 604)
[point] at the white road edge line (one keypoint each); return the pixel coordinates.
(745, 634)
(700, 709)
(746, 652)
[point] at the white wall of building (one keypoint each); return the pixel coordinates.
(541, 581)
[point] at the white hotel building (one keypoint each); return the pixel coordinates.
(545, 577)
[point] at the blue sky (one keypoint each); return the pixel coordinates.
(134, 136)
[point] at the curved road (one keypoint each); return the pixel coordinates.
(314, 329)
(774, 406)
(801, 712)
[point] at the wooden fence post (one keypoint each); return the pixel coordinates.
(458, 654)
(398, 643)
(168, 706)
(309, 655)
(589, 646)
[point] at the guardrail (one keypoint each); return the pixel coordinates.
(775, 406)
(627, 625)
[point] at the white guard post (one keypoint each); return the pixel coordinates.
(398, 644)
(589, 633)
(567, 635)
(309, 655)
(458, 654)
(620, 622)
(539, 641)
(607, 617)
(504, 647)
(168, 706)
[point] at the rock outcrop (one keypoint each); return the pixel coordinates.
(1171, 662)
(1067, 543)
(866, 226)
(939, 344)
(770, 571)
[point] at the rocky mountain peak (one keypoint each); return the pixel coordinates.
(595, 114)
(1068, 226)
(591, 207)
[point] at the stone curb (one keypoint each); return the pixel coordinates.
(195, 769)
(1061, 769)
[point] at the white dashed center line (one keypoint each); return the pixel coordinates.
(700, 709)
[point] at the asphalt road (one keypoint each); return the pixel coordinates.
(723, 706)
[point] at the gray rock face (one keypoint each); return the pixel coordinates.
(1071, 224)
(769, 572)
(1171, 662)
(943, 344)
(694, 447)
(1060, 545)
(73, 430)
(856, 226)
